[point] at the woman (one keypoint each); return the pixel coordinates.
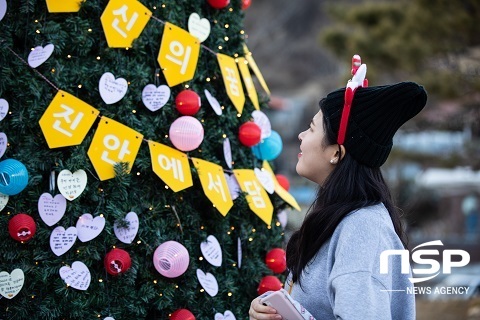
(334, 259)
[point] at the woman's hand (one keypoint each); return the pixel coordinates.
(259, 311)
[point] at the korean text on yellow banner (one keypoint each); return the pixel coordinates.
(178, 54)
(171, 166)
(123, 21)
(214, 184)
(231, 79)
(247, 80)
(257, 197)
(112, 143)
(67, 120)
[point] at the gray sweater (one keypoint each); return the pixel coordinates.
(343, 280)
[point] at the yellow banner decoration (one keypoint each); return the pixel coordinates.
(67, 120)
(178, 54)
(123, 21)
(64, 5)
(282, 193)
(171, 166)
(256, 70)
(232, 81)
(214, 184)
(257, 197)
(247, 80)
(113, 142)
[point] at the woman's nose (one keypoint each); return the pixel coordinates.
(300, 136)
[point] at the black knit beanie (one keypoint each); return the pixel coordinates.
(375, 116)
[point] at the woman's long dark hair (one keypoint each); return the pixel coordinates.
(350, 186)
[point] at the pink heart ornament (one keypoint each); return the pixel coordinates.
(233, 186)
(127, 235)
(3, 8)
(198, 27)
(212, 251)
(11, 283)
(3, 109)
(266, 180)
(154, 98)
(112, 90)
(39, 55)
(208, 282)
(89, 228)
(3, 201)
(71, 185)
(227, 315)
(62, 240)
(213, 102)
(77, 276)
(51, 209)
(3, 143)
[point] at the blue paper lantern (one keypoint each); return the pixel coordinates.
(13, 177)
(270, 148)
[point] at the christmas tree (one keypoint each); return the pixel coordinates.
(133, 171)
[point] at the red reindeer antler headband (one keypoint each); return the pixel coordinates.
(359, 72)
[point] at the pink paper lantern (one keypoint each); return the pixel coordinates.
(171, 259)
(186, 133)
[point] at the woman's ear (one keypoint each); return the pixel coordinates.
(341, 150)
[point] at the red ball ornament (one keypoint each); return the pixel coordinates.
(269, 283)
(246, 4)
(249, 134)
(182, 314)
(283, 181)
(218, 4)
(276, 260)
(22, 227)
(117, 261)
(188, 102)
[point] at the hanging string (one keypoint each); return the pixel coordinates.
(178, 218)
(35, 70)
(52, 182)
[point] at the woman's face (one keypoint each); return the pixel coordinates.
(315, 156)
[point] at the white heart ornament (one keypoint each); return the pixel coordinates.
(239, 252)
(233, 186)
(39, 55)
(109, 318)
(227, 152)
(212, 251)
(154, 98)
(78, 276)
(3, 143)
(89, 228)
(3, 109)
(263, 122)
(213, 102)
(208, 282)
(11, 283)
(51, 209)
(112, 90)
(266, 180)
(282, 218)
(3, 201)
(62, 240)
(71, 185)
(3, 8)
(227, 315)
(199, 28)
(127, 235)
